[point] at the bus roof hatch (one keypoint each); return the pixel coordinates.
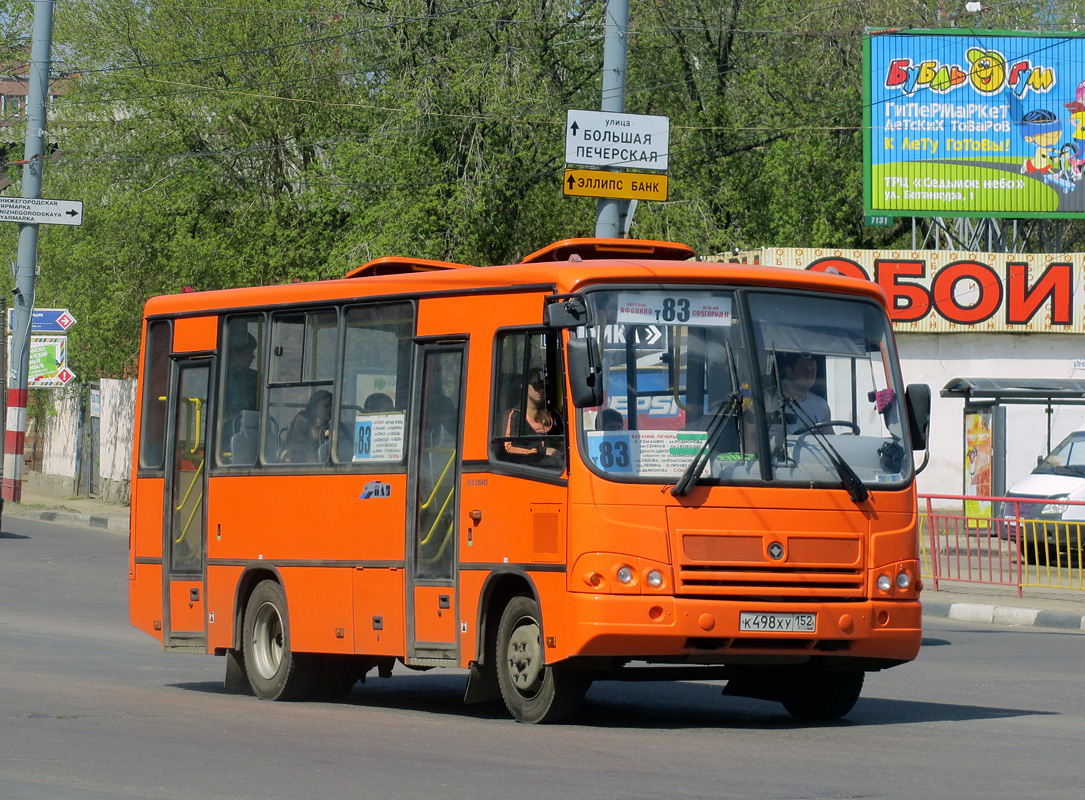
(394, 265)
(586, 249)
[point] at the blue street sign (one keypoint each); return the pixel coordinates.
(45, 320)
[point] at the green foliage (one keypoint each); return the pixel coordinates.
(242, 144)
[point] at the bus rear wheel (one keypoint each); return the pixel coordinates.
(817, 696)
(273, 670)
(531, 690)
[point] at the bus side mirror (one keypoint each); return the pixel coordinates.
(585, 372)
(919, 413)
(566, 311)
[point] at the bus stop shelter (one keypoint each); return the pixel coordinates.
(984, 408)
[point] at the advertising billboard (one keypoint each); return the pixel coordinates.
(974, 124)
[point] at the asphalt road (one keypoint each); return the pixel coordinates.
(90, 708)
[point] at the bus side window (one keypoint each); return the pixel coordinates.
(528, 425)
(156, 373)
(376, 369)
(300, 386)
(242, 381)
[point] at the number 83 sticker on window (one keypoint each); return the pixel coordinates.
(379, 437)
(612, 452)
(672, 308)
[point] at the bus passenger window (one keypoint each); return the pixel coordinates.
(156, 373)
(241, 385)
(528, 424)
(376, 382)
(300, 387)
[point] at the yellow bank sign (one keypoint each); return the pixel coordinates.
(628, 185)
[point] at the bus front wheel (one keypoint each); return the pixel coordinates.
(817, 696)
(274, 672)
(532, 691)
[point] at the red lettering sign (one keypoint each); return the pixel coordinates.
(908, 302)
(1056, 285)
(988, 291)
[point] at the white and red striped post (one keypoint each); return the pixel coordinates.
(14, 444)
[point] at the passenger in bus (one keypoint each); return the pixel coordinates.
(537, 419)
(609, 419)
(309, 430)
(378, 403)
(803, 407)
(242, 383)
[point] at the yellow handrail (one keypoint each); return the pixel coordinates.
(199, 406)
(440, 480)
(437, 519)
(195, 507)
(444, 544)
(441, 513)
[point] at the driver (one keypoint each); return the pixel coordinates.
(798, 373)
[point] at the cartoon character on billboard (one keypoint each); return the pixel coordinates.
(1043, 130)
(1077, 120)
(988, 72)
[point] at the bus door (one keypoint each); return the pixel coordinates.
(184, 520)
(432, 550)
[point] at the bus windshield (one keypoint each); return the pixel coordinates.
(744, 386)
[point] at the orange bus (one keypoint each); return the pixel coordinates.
(607, 461)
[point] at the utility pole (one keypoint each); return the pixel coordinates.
(26, 267)
(609, 221)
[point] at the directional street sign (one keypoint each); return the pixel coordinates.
(603, 183)
(611, 139)
(45, 320)
(47, 212)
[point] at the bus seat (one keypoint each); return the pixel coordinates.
(244, 443)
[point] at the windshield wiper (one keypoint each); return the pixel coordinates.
(723, 414)
(740, 427)
(715, 428)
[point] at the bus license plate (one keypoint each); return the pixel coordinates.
(788, 623)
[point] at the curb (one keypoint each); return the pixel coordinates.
(112, 522)
(1005, 615)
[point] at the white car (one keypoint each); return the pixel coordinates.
(1052, 519)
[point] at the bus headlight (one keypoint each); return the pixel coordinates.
(655, 579)
(885, 583)
(904, 580)
(625, 575)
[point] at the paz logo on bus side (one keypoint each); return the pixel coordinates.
(776, 551)
(376, 489)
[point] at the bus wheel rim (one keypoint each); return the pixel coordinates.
(267, 640)
(524, 656)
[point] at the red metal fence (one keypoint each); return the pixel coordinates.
(1007, 541)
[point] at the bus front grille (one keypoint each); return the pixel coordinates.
(777, 582)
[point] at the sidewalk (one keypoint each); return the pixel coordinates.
(1000, 605)
(967, 602)
(80, 511)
